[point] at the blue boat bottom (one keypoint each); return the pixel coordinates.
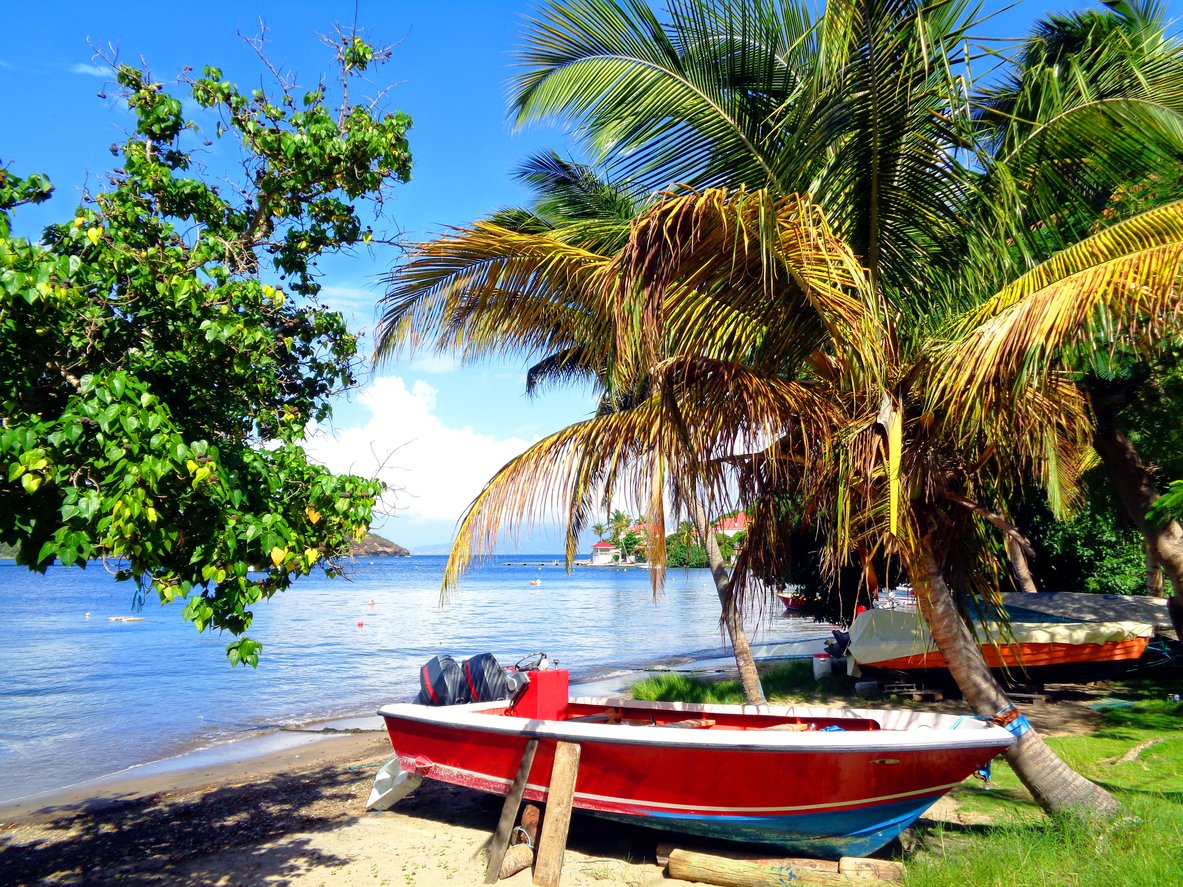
(856, 832)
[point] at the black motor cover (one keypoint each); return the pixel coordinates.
(441, 682)
(485, 678)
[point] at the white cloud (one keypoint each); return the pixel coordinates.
(435, 470)
(92, 70)
(355, 300)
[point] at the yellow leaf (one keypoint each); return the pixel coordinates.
(313, 515)
(311, 555)
(79, 221)
(278, 554)
(93, 234)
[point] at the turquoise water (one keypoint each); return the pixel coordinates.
(83, 697)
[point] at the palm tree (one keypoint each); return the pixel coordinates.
(600, 529)
(1073, 67)
(858, 110)
(619, 522)
(831, 392)
(515, 284)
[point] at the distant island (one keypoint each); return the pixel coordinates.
(374, 545)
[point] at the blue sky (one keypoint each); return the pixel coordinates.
(437, 430)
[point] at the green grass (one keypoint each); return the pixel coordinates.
(788, 681)
(1006, 840)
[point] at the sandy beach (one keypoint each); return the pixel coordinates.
(297, 816)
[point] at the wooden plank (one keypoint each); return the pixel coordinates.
(731, 869)
(553, 841)
(509, 813)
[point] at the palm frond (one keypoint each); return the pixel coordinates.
(1121, 284)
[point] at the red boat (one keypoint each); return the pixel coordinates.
(828, 782)
(793, 602)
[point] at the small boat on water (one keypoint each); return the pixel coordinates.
(822, 781)
(793, 602)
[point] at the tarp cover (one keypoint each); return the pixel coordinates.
(883, 635)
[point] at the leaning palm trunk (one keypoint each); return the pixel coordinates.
(1052, 783)
(1138, 492)
(749, 677)
(1020, 567)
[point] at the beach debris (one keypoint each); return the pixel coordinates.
(391, 784)
(517, 857)
(740, 870)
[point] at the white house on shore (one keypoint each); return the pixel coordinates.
(604, 553)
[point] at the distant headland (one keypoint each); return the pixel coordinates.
(374, 545)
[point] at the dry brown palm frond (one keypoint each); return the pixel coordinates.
(792, 285)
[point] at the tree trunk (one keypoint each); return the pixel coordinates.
(1052, 783)
(1138, 492)
(1020, 567)
(749, 678)
(1153, 574)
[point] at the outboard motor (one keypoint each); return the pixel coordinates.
(487, 681)
(441, 682)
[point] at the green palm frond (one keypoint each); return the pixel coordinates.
(489, 290)
(696, 89)
(1121, 284)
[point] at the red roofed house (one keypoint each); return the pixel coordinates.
(733, 525)
(604, 553)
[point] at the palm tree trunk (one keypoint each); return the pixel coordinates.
(1153, 574)
(1052, 783)
(1020, 567)
(749, 677)
(1138, 492)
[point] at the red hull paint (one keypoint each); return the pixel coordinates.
(1017, 656)
(742, 775)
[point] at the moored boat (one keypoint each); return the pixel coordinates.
(899, 640)
(792, 601)
(823, 781)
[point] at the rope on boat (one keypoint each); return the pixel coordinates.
(1012, 720)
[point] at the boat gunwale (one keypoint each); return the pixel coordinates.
(969, 733)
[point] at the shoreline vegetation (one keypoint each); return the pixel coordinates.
(298, 815)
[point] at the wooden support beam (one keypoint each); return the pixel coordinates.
(509, 814)
(738, 870)
(557, 820)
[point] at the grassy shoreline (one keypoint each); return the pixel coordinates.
(1128, 737)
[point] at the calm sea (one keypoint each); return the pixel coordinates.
(82, 696)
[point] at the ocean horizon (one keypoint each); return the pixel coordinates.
(88, 694)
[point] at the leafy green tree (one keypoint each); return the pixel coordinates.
(162, 350)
